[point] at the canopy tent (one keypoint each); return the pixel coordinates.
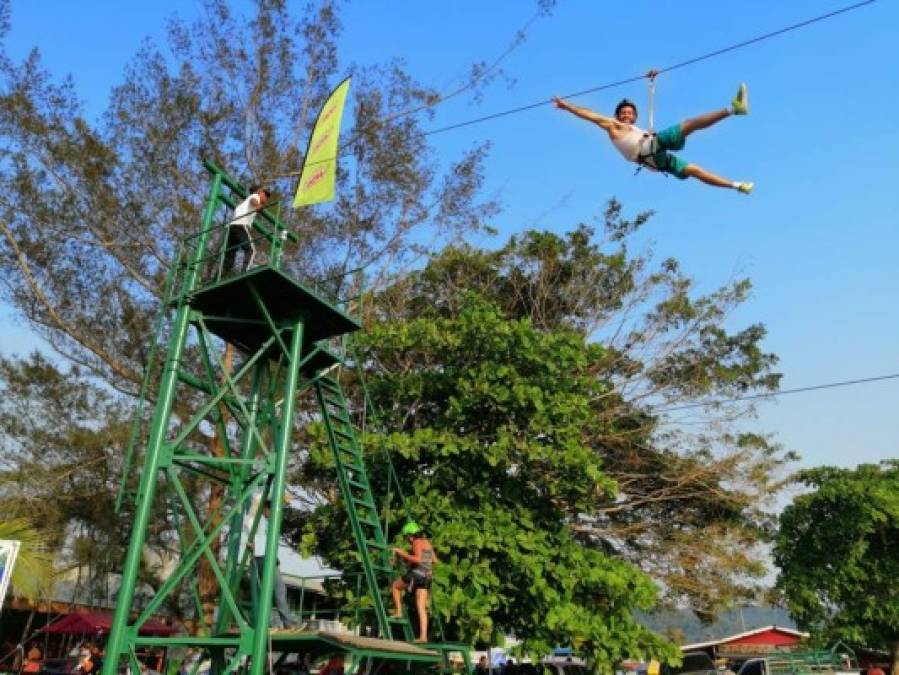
(99, 623)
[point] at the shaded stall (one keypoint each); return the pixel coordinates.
(99, 623)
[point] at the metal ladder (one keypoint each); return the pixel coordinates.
(361, 507)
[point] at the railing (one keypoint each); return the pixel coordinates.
(221, 248)
(330, 618)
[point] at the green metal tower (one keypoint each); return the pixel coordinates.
(220, 435)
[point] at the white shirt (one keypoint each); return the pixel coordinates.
(245, 213)
(634, 143)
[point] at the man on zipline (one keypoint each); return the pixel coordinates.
(653, 149)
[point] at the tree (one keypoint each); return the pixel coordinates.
(486, 436)
(95, 211)
(693, 494)
(837, 553)
(511, 428)
(61, 443)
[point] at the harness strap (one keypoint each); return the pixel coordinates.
(643, 159)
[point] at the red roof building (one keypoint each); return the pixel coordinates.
(757, 641)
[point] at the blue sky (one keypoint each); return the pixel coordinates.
(819, 237)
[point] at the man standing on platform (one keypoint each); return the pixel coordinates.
(240, 234)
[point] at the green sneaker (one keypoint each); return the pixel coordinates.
(740, 104)
(745, 188)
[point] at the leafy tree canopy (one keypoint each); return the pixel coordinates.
(514, 438)
(837, 553)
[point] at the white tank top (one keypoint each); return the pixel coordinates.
(633, 143)
(245, 213)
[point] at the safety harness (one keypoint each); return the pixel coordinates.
(647, 158)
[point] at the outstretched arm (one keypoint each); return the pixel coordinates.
(606, 123)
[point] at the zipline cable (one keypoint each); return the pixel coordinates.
(667, 69)
(797, 390)
(609, 85)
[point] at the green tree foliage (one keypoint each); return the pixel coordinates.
(524, 434)
(838, 554)
(488, 441)
(692, 493)
(62, 438)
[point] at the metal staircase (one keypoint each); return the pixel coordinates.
(362, 509)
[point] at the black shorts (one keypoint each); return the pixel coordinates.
(414, 581)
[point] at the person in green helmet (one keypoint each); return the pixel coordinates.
(653, 150)
(417, 578)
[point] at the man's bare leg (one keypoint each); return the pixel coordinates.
(739, 106)
(709, 178)
(703, 121)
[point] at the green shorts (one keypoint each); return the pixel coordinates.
(668, 139)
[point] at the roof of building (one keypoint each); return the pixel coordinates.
(99, 623)
(747, 634)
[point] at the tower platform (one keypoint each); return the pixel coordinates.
(235, 310)
(317, 643)
(329, 642)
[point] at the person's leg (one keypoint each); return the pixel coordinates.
(739, 106)
(255, 583)
(232, 242)
(707, 177)
(703, 121)
(281, 600)
(242, 242)
(396, 590)
(421, 604)
(249, 251)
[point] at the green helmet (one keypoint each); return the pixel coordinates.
(410, 528)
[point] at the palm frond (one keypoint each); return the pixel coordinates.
(32, 575)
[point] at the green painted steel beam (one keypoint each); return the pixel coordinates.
(276, 502)
(186, 641)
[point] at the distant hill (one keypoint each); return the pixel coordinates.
(684, 623)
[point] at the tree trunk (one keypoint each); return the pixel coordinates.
(894, 658)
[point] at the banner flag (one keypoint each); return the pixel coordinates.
(319, 174)
(9, 549)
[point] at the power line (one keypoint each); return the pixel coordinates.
(667, 69)
(814, 387)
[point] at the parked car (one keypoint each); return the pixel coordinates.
(694, 663)
(568, 665)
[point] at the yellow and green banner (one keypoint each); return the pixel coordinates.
(320, 167)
